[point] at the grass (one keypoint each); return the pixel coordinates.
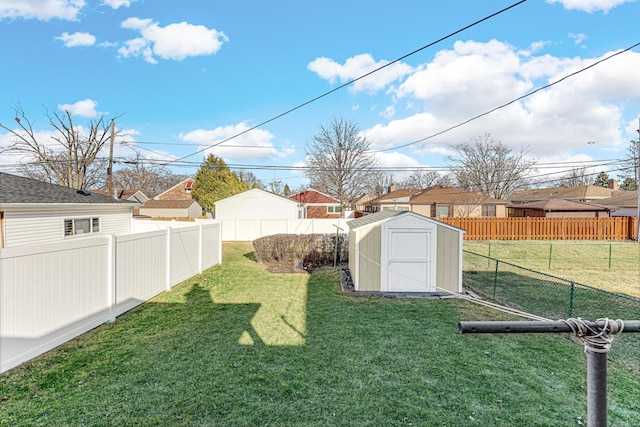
(237, 346)
(582, 262)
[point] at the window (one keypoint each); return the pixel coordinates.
(188, 186)
(489, 211)
(334, 209)
(442, 211)
(77, 226)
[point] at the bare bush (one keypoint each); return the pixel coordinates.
(300, 252)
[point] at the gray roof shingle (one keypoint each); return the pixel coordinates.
(17, 189)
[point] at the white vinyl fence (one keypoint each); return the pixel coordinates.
(251, 229)
(54, 292)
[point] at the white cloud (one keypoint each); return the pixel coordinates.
(77, 39)
(357, 66)
(474, 78)
(175, 41)
(590, 5)
(251, 145)
(578, 38)
(42, 10)
(84, 108)
(116, 4)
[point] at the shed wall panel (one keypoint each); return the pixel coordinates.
(448, 260)
(369, 259)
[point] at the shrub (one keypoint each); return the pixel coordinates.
(296, 252)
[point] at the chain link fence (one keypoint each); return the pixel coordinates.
(552, 297)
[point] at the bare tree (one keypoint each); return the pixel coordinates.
(250, 178)
(145, 176)
(378, 183)
(421, 179)
(487, 167)
(69, 157)
(338, 159)
(576, 177)
(276, 187)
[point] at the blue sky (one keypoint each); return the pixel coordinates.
(182, 76)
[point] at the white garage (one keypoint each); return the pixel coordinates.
(400, 251)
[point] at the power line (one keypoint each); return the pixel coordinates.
(508, 103)
(304, 104)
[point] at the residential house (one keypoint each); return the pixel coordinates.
(186, 208)
(35, 212)
(359, 205)
(440, 202)
(558, 209)
(318, 204)
(622, 203)
(258, 204)
(180, 191)
(395, 200)
(131, 195)
(578, 193)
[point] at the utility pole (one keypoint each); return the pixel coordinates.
(110, 168)
(597, 337)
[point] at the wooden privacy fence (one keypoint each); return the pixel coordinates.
(614, 228)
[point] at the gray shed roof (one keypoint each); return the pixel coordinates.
(383, 215)
(19, 190)
(371, 218)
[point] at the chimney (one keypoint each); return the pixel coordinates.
(613, 184)
(391, 188)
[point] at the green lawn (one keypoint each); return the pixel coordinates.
(614, 267)
(238, 346)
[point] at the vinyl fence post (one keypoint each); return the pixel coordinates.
(168, 266)
(111, 278)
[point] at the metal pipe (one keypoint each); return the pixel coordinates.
(596, 389)
(536, 326)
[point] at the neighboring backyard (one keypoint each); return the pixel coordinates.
(614, 267)
(238, 346)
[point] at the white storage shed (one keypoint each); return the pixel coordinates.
(404, 252)
(258, 204)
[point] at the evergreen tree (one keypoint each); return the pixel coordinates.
(215, 181)
(629, 184)
(602, 180)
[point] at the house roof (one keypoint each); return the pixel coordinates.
(561, 206)
(311, 196)
(20, 190)
(450, 195)
(393, 195)
(621, 199)
(168, 204)
(387, 214)
(578, 192)
(182, 184)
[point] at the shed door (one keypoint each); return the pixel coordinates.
(411, 252)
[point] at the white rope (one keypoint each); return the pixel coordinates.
(595, 341)
(497, 307)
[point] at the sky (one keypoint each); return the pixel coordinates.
(253, 81)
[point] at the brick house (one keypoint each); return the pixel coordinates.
(318, 204)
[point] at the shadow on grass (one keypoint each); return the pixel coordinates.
(251, 256)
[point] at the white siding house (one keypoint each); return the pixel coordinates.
(34, 212)
(258, 204)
